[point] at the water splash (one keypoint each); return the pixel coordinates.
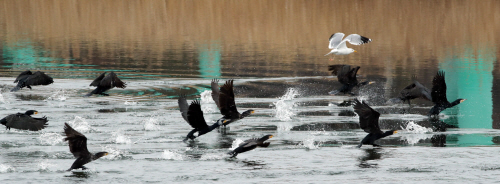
(151, 124)
(44, 166)
(214, 156)
(284, 127)
(80, 124)
(416, 133)
(412, 127)
(2, 100)
(308, 143)
(170, 155)
(113, 153)
(6, 168)
(235, 144)
(50, 138)
(207, 101)
(119, 138)
(131, 102)
(58, 96)
(284, 106)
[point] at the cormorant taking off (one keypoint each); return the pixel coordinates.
(78, 146)
(224, 98)
(194, 116)
(106, 82)
(346, 75)
(368, 121)
(250, 144)
(28, 79)
(24, 121)
(413, 91)
(439, 95)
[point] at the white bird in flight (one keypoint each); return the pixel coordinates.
(339, 47)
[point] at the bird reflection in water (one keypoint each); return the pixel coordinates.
(370, 154)
(439, 140)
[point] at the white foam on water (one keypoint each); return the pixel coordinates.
(415, 133)
(284, 127)
(58, 96)
(235, 144)
(6, 168)
(113, 153)
(50, 138)
(284, 106)
(170, 155)
(119, 138)
(80, 124)
(208, 104)
(308, 143)
(2, 100)
(151, 124)
(214, 156)
(44, 166)
(131, 102)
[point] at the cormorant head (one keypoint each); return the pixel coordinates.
(31, 112)
(100, 154)
(247, 113)
(458, 101)
(390, 132)
(265, 138)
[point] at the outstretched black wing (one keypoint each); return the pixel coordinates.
(111, 80)
(195, 116)
(183, 107)
(25, 122)
(97, 81)
(438, 92)
(38, 78)
(215, 91)
(77, 142)
(226, 101)
(368, 118)
(24, 74)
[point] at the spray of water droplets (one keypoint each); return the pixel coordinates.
(6, 168)
(80, 124)
(170, 155)
(2, 100)
(44, 166)
(151, 124)
(58, 96)
(235, 144)
(119, 138)
(285, 104)
(308, 143)
(416, 133)
(208, 104)
(50, 138)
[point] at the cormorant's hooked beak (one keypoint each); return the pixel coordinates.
(252, 112)
(106, 153)
(395, 132)
(371, 82)
(462, 100)
(224, 122)
(270, 136)
(36, 112)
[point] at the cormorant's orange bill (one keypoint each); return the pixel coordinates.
(252, 112)
(395, 132)
(271, 136)
(371, 82)
(106, 154)
(36, 112)
(224, 122)
(462, 100)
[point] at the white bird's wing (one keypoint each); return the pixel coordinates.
(335, 40)
(357, 39)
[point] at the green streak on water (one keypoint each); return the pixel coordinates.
(470, 77)
(209, 57)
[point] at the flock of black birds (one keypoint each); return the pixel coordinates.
(223, 96)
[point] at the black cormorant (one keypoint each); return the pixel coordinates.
(194, 116)
(346, 75)
(368, 121)
(250, 144)
(224, 98)
(439, 95)
(28, 79)
(78, 146)
(413, 91)
(24, 121)
(106, 82)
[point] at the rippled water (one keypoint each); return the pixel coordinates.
(275, 52)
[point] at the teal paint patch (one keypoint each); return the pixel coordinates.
(470, 77)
